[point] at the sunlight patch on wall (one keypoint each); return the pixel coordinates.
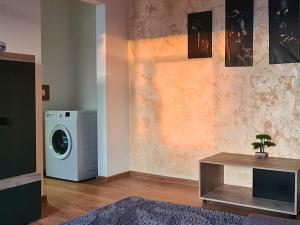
(180, 89)
(186, 106)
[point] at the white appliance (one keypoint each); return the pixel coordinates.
(71, 144)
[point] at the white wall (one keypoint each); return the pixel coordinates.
(69, 54)
(117, 88)
(113, 152)
(111, 62)
(85, 51)
(57, 54)
(101, 93)
(20, 28)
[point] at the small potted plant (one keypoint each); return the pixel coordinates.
(264, 141)
(2, 46)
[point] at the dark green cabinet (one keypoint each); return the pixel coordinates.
(20, 186)
(17, 118)
(20, 205)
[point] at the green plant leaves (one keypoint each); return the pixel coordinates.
(257, 145)
(265, 140)
(269, 144)
(263, 136)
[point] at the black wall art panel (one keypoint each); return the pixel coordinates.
(284, 31)
(239, 33)
(200, 35)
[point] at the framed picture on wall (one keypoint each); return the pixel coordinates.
(200, 35)
(239, 33)
(284, 31)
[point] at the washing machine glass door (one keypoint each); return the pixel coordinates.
(60, 142)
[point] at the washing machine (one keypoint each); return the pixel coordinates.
(71, 144)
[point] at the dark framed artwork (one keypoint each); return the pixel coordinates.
(284, 31)
(239, 33)
(200, 35)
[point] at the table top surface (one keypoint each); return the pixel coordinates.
(17, 57)
(270, 163)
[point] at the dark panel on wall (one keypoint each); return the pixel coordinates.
(200, 35)
(17, 118)
(284, 31)
(239, 33)
(20, 205)
(274, 185)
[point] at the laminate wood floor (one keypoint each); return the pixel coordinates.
(67, 200)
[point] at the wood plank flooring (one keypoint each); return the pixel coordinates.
(67, 200)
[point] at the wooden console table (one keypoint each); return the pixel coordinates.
(275, 183)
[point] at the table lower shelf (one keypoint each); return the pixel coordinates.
(242, 196)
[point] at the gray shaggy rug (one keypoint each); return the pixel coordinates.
(138, 211)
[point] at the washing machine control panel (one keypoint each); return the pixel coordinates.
(58, 114)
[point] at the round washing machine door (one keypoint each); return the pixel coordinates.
(60, 142)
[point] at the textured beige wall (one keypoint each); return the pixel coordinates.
(183, 110)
